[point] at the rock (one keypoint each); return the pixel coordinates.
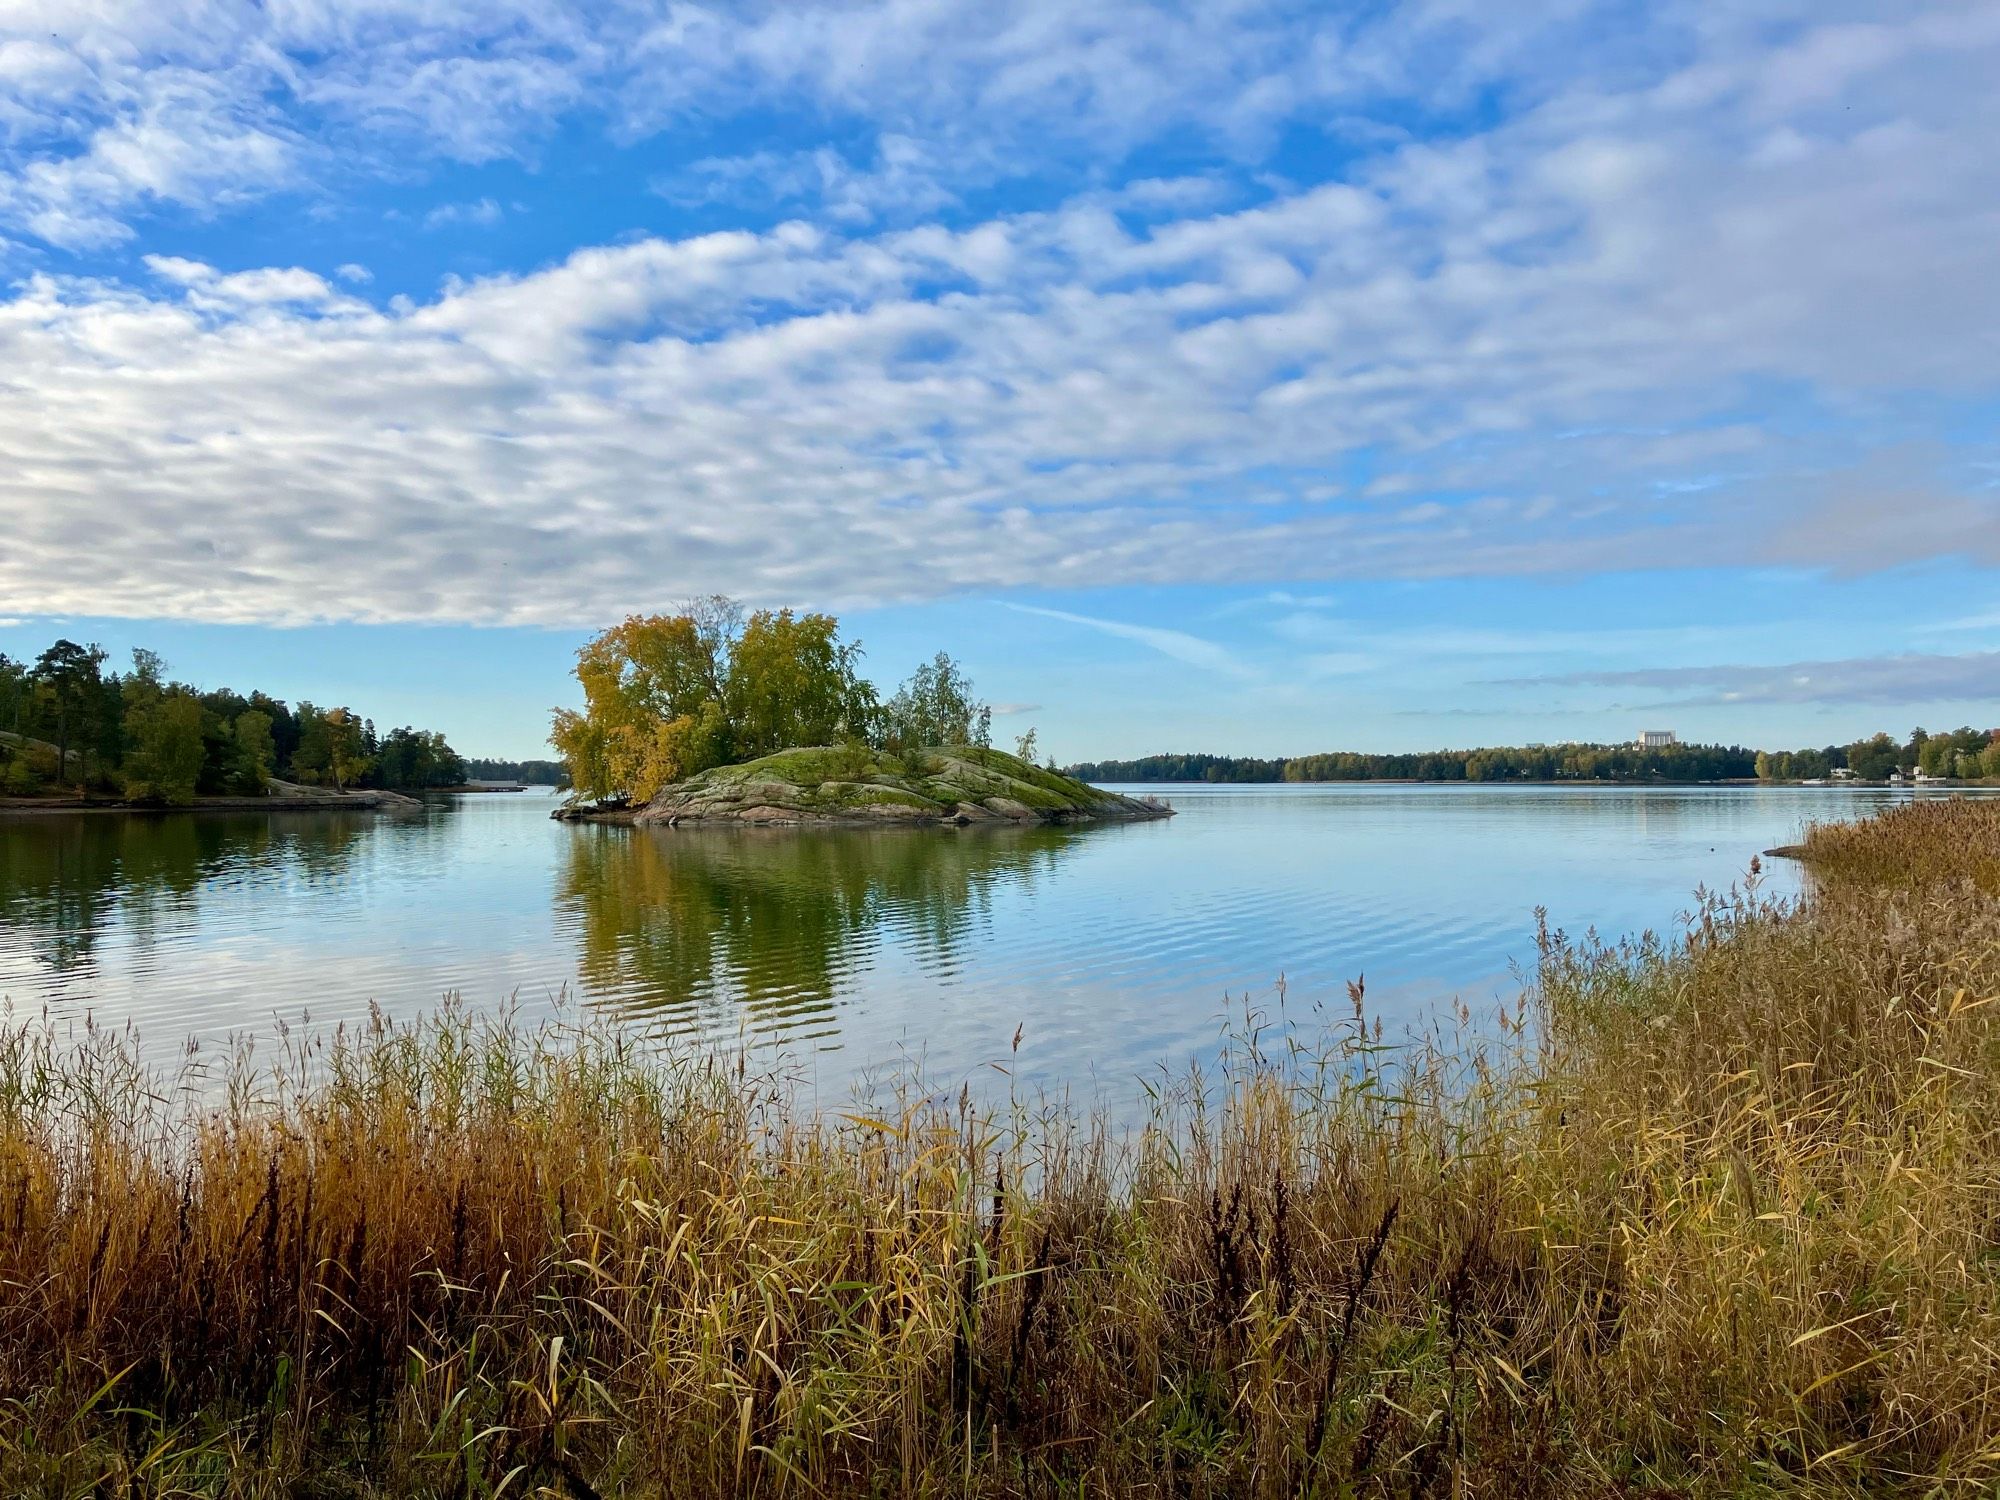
(853, 785)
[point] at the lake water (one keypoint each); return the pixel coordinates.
(1112, 948)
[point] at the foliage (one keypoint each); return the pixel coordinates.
(792, 682)
(669, 696)
(935, 706)
(165, 752)
(347, 754)
(1706, 1217)
(252, 729)
(71, 677)
(414, 759)
(115, 735)
(528, 772)
(1620, 763)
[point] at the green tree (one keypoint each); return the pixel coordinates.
(257, 752)
(1873, 759)
(164, 761)
(666, 696)
(73, 677)
(792, 681)
(14, 688)
(347, 747)
(1024, 746)
(935, 705)
(312, 757)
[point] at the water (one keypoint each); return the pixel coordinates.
(1112, 948)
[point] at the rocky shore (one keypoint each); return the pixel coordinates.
(284, 796)
(955, 786)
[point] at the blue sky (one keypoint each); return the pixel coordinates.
(1239, 377)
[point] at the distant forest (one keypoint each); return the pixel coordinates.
(67, 723)
(1497, 763)
(1959, 754)
(528, 772)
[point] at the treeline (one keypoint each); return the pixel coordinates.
(66, 723)
(1626, 763)
(1965, 754)
(668, 696)
(527, 772)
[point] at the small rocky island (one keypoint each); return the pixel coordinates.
(955, 785)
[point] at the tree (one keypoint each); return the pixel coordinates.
(72, 674)
(13, 691)
(667, 696)
(792, 681)
(256, 751)
(1024, 747)
(312, 758)
(166, 750)
(413, 759)
(347, 747)
(1873, 759)
(935, 706)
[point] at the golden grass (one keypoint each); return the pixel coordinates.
(1716, 1216)
(1918, 842)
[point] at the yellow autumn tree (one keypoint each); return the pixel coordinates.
(667, 696)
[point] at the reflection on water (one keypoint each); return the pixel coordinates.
(67, 882)
(1114, 948)
(769, 928)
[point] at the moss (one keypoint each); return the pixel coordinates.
(823, 781)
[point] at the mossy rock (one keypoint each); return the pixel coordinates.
(832, 784)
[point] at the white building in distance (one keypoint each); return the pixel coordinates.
(1655, 739)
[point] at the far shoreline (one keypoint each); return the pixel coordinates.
(371, 800)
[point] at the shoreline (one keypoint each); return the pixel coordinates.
(364, 801)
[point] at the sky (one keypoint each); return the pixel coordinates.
(1227, 376)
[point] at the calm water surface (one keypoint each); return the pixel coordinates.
(1114, 948)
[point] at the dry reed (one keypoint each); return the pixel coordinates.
(1710, 1216)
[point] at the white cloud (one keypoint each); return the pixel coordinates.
(483, 211)
(1544, 336)
(1178, 644)
(1912, 677)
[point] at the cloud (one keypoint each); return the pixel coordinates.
(1903, 679)
(905, 179)
(484, 211)
(353, 272)
(1177, 644)
(1682, 296)
(1005, 710)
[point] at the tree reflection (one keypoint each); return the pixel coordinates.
(67, 880)
(779, 921)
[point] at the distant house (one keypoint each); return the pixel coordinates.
(1655, 739)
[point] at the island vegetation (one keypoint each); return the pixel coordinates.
(712, 715)
(69, 726)
(670, 697)
(1706, 1215)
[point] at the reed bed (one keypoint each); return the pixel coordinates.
(1717, 1214)
(1923, 842)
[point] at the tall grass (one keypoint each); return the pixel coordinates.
(1923, 842)
(1715, 1215)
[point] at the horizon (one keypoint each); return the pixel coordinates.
(1264, 383)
